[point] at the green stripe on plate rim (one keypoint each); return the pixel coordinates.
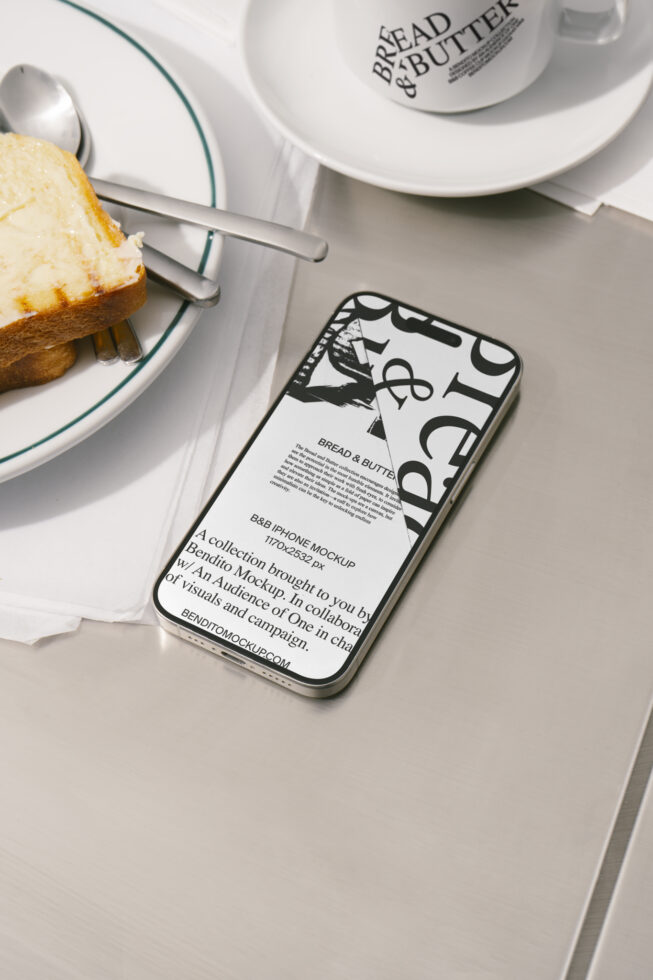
(207, 246)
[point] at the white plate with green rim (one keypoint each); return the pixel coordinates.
(149, 131)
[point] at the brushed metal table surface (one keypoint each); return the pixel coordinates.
(625, 947)
(165, 815)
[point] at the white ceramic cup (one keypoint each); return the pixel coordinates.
(457, 55)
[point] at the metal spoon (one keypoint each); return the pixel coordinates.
(34, 103)
(162, 268)
(35, 96)
(55, 117)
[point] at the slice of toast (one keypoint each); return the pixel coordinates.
(66, 269)
(38, 368)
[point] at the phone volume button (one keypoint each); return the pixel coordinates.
(463, 482)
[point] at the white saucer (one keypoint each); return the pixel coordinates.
(583, 100)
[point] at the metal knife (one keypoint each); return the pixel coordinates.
(298, 243)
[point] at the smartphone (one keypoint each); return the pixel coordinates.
(295, 562)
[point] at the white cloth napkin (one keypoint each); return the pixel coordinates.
(84, 535)
(620, 175)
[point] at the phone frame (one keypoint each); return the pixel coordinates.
(328, 686)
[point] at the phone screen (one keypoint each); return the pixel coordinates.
(302, 545)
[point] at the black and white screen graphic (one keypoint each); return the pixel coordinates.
(301, 543)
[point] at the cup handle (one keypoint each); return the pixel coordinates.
(594, 27)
